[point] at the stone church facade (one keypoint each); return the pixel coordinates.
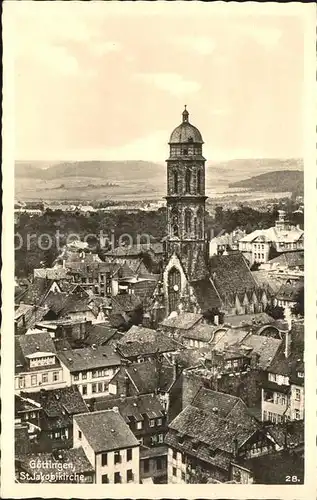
(189, 282)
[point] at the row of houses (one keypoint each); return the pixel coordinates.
(148, 394)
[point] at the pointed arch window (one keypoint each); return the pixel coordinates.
(199, 181)
(174, 289)
(188, 221)
(188, 177)
(200, 223)
(175, 182)
(174, 222)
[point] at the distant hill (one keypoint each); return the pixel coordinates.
(114, 170)
(131, 179)
(282, 180)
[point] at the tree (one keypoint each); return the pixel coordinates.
(299, 307)
(277, 312)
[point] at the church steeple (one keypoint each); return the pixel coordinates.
(185, 190)
(185, 115)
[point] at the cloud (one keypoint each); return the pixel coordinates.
(105, 47)
(268, 37)
(58, 59)
(173, 83)
(201, 44)
(151, 147)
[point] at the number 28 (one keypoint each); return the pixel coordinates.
(292, 479)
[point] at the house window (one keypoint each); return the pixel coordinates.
(175, 182)
(100, 387)
(117, 477)
(129, 455)
(160, 438)
(300, 374)
(235, 363)
(146, 465)
(84, 375)
(272, 377)
(129, 475)
(104, 459)
(94, 374)
(44, 378)
(139, 425)
(100, 373)
(117, 457)
(21, 382)
(94, 388)
(79, 434)
(187, 180)
(76, 377)
(174, 471)
(153, 439)
(33, 380)
(174, 455)
(183, 476)
(297, 394)
(152, 423)
(283, 399)
(159, 422)
(297, 414)
(55, 376)
(84, 390)
(104, 479)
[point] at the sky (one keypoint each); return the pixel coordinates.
(93, 81)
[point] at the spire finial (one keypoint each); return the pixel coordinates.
(185, 114)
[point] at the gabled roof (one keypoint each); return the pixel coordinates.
(34, 343)
(201, 332)
(59, 406)
(142, 341)
(294, 363)
(37, 291)
(62, 303)
(51, 273)
(99, 334)
(267, 279)
(230, 274)
(125, 303)
(135, 407)
(202, 428)
(105, 431)
(261, 318)
(265, 347)
(217, 402)
(228, 337)
(147, 377)
(289, 259)
(206, 294)
(183, 321)
(289, 291)
(89, 358)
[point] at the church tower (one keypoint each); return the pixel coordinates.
(185, 190)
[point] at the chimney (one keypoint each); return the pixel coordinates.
(235, 448)
(288, 318)
(126, 385)
(175, 370)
